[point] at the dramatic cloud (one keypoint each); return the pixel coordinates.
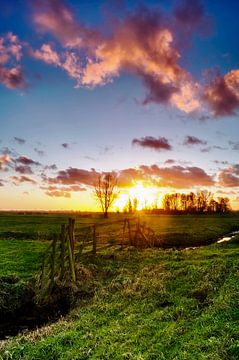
(74, 176)
(193, 140)
(160, 143)
(18, 140)
(222, 94)
(26, 161)
(11, 74)
(229, 177)
(177, 176)
(141, 44)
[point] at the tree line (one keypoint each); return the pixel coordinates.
(195, 203)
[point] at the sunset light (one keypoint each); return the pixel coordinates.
(119, 179)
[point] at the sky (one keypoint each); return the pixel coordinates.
(146, 89)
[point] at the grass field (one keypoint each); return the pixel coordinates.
(146, 304)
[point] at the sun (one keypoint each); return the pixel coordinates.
(147, 196)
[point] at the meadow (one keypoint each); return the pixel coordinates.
(134, 303)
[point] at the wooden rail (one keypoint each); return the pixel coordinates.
(67, 248)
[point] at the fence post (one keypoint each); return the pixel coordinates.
(71, 233)
(71, 257)
(62, 250)
(53, 257)
(94, 241)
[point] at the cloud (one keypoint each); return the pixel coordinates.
(222, 94)
(160, 143)
(229, 177)
(72, 176)
(26, 161)
(18, 140)
(17, 180)
(46, 54)
(50, 167)
(39, 152)
(169, 162)
(12, 78)
(11, 74)
(5, 160)
(177, 176)
(235, 145)
(193, 140)
(206, 149)
(191, 16)
(223, 162)
(141, 44)
(146, 43)
(58, 193)
(23, 169)
(55, 17)
(62, 191)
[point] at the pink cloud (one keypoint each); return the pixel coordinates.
(4, 161)
(222, 94)
(229, 177)
(17, 180)
(11, 74)
(46, 54)
(141, 44)
(55, 17)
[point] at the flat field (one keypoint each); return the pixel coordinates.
(24, 238)
(145, 303)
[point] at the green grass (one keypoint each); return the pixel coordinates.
(21, 258)
(150, 304)
(147, 304)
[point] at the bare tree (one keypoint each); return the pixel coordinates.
(106, 191)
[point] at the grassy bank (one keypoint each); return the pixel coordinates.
(150, 304)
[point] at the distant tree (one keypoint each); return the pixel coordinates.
(130, 206)
(106, 191)
(135, 204)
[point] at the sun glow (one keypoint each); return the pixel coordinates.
(147, 197)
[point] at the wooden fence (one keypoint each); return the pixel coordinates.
(64, 255)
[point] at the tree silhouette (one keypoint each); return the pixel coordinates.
(106, 191)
